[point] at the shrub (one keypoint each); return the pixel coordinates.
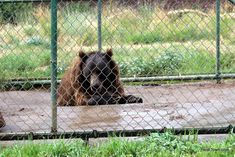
(168, 63)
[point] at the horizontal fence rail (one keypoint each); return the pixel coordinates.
(12, 83)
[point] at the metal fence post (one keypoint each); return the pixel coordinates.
(99, 25)
(54, 64)
(218, 77)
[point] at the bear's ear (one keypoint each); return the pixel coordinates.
(109, 52)
(83, 55)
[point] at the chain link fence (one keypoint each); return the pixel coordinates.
(178, 57)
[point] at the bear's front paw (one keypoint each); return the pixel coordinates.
(130, 99)
(133, 99)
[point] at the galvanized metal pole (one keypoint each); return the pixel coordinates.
(54, 64)
(218, 78)
(99, 25)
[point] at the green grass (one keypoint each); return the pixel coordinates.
(125, 25)
(188, 27)
(146, 42)
(26, 64)
(163, 145)
(32, 60)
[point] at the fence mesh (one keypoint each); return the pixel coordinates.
(164, 50)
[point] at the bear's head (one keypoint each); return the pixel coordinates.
(98, 72)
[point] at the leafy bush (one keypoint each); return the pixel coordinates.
(170, 142)
(167, 63)
(170, 62)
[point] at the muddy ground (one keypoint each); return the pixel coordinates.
(188, 105)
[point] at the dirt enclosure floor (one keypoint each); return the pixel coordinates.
(192, 105)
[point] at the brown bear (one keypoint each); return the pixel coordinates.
(93, 79)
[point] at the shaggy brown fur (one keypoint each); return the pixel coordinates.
(70, 92)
